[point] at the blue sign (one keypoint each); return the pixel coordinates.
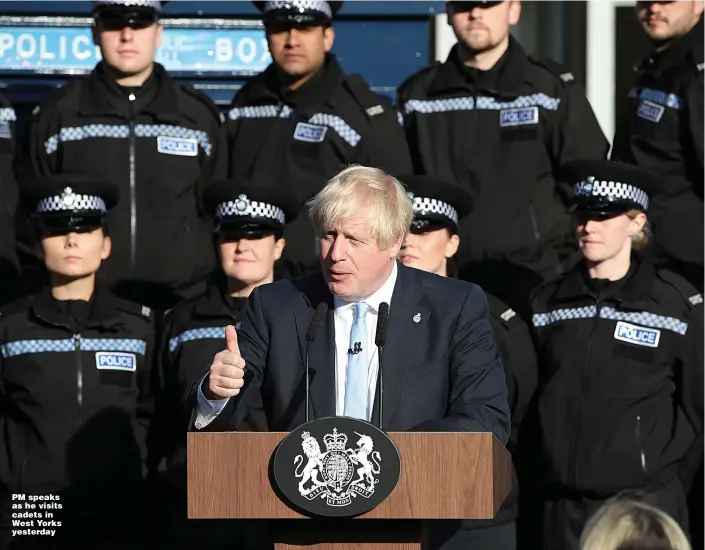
(192, 50)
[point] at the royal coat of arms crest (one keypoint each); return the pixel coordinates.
(339, 473)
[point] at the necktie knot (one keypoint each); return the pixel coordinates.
(361, 309)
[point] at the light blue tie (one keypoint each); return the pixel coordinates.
(356, 379)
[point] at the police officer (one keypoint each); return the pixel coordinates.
(9, 264)
(497, 122)
(74, 379)
(620, 401)
(302, 119)
(158, 140)
(431, 246)
(250, 217)
(662, 130)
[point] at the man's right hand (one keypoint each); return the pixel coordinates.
(227, 371)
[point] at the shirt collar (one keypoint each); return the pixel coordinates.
(384, 294)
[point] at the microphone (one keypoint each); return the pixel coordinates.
(311, 333)
(380, 340)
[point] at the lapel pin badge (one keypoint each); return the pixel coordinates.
(417, 318)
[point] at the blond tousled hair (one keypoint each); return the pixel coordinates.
(381, 198)
(625, 524)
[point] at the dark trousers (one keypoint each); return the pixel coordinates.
(564, 520)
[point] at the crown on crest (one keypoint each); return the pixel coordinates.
(335, 441)
(305, 436)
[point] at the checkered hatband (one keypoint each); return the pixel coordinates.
(70, 201)
(611, 190)
(301, 6)
(243, 206)
(423, 206)
(156, 6)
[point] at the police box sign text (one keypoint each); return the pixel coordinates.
(71, 49)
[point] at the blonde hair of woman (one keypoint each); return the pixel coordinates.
(626, 524)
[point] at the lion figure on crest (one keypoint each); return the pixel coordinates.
(362, 455)
(310, 472)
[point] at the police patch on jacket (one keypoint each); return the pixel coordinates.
(650, 111)
(113, 360)
(518, 117)
(177, 146)
(633, 334)
(309, 132)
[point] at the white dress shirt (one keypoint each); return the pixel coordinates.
(343, 318)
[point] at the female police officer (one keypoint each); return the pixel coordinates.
(620, 402)
(74, 379)
(250, 218)
(431, 246)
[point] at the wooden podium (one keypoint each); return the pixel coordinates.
(443, 476)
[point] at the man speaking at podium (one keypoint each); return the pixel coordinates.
(441, 367)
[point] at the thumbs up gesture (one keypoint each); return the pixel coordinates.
(227, 370)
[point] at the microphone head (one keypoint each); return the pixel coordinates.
(382, 324)
(317, 321)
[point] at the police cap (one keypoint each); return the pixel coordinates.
(436, 203)
(249, 207)
(299, 12)
(127, 12)
(69, 202)
(605, 188)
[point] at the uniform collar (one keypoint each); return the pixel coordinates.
(504, 79)
(318, 90)
(631, 292)
(677, 52)
(216, 302)
(383, 294)
(103, 310)
(102, 96)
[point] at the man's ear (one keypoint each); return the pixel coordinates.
(328, 38)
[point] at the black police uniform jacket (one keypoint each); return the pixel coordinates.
(160, 149)
(516, 347)
(620, 401)
(75, 396)
(300, 139)
(193, 333)
(502, 134)
(662, 131)
(9, 264)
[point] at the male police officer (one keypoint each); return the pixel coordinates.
(498, 122)
(302, 119)
(662, 130)
(8, 192)
(157, 140)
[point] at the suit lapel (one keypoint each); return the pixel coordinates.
(321, 352)
(408, 320)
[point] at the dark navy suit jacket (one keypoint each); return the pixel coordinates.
(443, 373)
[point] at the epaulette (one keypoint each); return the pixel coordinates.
(418, 74)
(684, 288)
(370, 102)
(555, 68)
(500, 309)
(136, 309)
(203, 98)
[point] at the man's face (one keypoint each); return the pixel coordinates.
(129, 50)
(666, 21)
(75, 255)
(482, 27)
(249, 260)
(299, 51)
(354, 265)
